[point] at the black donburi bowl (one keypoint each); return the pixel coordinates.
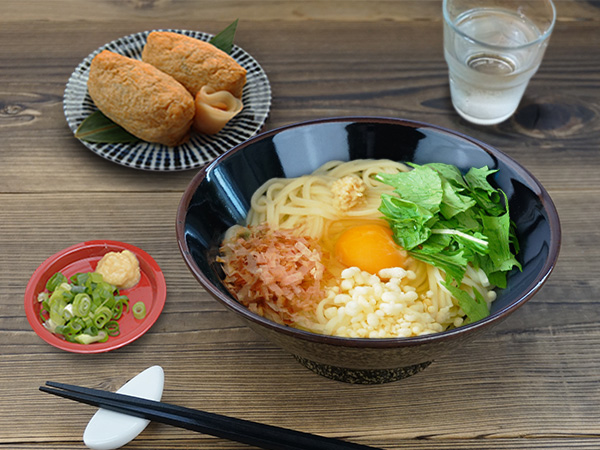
(219, 197)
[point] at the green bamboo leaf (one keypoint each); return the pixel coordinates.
(224, 40)
(99, 128)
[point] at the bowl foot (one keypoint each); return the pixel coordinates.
(362, 376)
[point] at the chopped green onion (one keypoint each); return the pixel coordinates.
(56, 310)
(121, 305)
(76, 325)
(79, 279)
(112, 328)
(95, 277)
(92, 330)
(82, 304)
(55, 280)
(101, 316)
(88, 339)
(139, 310)
(78, 289)
(88, 321)
(68, 312)
(84, 308)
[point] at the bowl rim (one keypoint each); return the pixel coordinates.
(230, 303)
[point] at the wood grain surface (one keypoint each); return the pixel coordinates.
(530, 383)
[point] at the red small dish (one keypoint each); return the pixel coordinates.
(83, 257)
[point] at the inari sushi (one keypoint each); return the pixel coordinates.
(148, 103)
(194, 63)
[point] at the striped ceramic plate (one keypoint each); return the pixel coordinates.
(200, 149)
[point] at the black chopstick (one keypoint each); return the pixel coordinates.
(239, 430)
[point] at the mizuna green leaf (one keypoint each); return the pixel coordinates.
(474, 307)
(450, 221)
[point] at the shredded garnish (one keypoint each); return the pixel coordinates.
(274, 273)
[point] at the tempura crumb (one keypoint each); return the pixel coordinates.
(378, 306)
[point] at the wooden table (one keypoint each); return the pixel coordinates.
(532, 382)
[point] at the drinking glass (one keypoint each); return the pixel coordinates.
(493, 48)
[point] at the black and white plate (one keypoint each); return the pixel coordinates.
(200, 149)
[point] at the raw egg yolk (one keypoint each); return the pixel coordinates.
(369, 247)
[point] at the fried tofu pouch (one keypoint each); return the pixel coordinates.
(194, 63)
(145, 101)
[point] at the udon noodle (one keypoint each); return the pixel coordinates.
(307, 203)
(394, 302)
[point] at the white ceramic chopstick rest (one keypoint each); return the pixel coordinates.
(108, 429)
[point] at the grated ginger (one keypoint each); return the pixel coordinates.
(348, 192)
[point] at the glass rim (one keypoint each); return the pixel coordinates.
(545, 35)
